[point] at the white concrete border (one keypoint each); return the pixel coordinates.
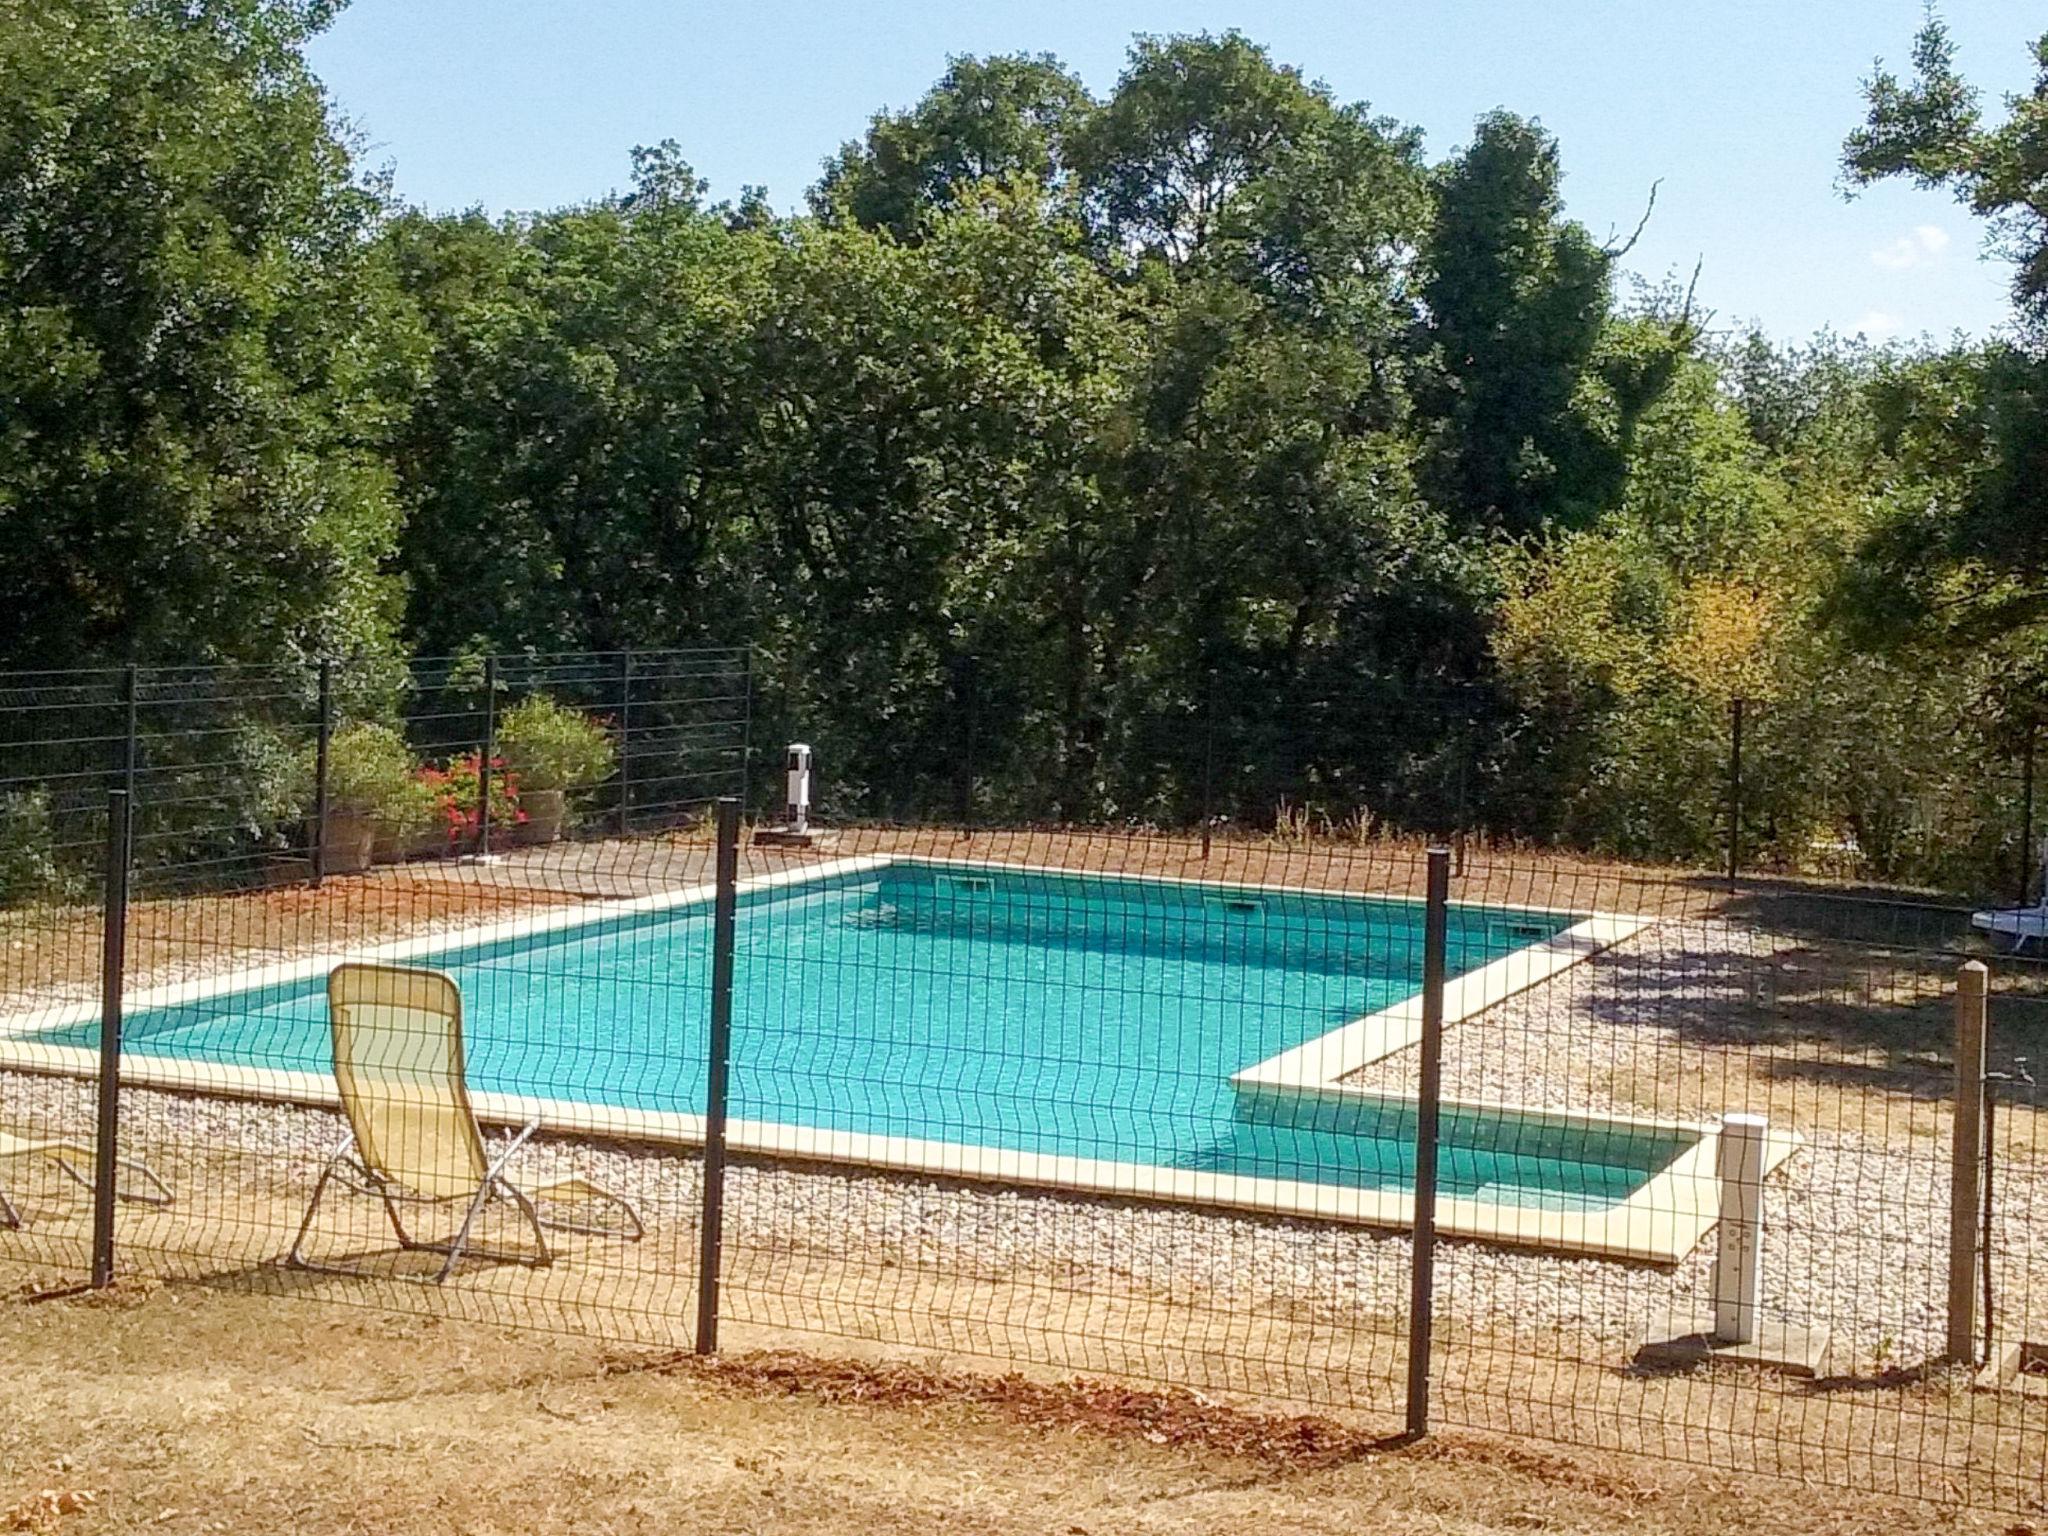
(1322, 1061)
(1659, 1223)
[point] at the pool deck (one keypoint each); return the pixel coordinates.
(1660, 1223)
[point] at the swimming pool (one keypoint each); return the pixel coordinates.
(1031, 1012)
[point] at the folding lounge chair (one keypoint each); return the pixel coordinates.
(413, 1138)
(74, 1159)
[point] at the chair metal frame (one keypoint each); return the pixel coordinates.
(62, 1153)
(359, 1178)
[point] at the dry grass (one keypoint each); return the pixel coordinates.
(57, 952)
(184, 1410)
(1831, 1038)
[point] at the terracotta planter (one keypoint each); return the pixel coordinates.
(391, 844)
(546, 810)
(346, 848)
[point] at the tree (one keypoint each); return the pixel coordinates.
(1931, 131)
(1194, 123)
(573, 461)
(1958, 553)
(1955, 554)
(1007, 117)
(1517, 298)
(921, 468)
(202, 356)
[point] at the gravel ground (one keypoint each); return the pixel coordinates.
(1688, 1020)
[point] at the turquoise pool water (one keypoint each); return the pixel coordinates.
(1066, 1014)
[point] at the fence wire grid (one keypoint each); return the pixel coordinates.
(493, 987)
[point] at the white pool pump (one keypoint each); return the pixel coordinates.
(799, 764)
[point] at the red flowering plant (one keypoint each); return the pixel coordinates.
(458, 794)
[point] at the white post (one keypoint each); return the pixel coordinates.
(799, 786)
(1739, 1256)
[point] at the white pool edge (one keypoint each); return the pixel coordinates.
(1321, 1062)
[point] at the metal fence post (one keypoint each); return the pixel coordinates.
(973, 743)
(483, 766)
(966, 694)
(1208, 763)
(1734, 789)
(1967, 1154)
(130, 735)
(746, 784)
(712, 1227)
(322, 743)
(113, 956)
(1463, 810)
(1428, 1100)
(2027, 817)
(625, 742)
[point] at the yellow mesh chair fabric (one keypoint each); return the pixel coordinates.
(399, 1066)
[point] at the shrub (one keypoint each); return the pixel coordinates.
(31, 870)
(457, 791)
(549, 746)
(369, 773)
(413, 811)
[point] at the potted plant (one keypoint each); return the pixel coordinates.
(457, 792)
(408, 823)
(369, 777)
(553, 751)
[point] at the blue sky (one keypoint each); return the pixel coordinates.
(1738, 107)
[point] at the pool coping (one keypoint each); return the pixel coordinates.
(1660, 1223)
(1339, 1052)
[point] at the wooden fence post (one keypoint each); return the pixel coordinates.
(1967, 1168)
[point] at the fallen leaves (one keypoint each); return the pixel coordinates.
(43, 1509)
(1173, 1418)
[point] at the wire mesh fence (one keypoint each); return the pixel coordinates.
(462, 987)
(1936, 793)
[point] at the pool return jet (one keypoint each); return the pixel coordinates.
(796, 830)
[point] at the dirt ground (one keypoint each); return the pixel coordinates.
(183, 1409)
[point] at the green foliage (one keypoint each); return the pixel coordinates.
(1006, 118)
(409, 813)
(201, 355)
(1931, 131)
(1195, 124)
(1198, 448)
(573, 460)
(369, 773)
(33, 870)
(550, 746)
(1518, 300)
(1957, 554)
